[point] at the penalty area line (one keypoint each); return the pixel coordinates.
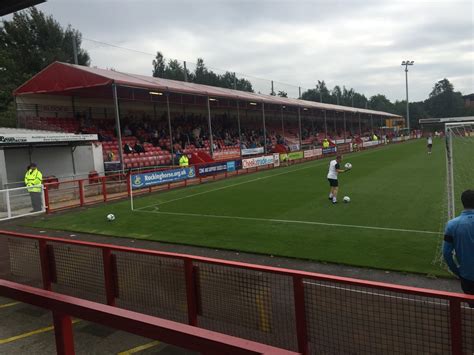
(272, 220)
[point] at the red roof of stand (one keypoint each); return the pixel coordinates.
(64, 78)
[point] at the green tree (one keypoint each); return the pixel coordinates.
(336, 95)
(159, 65)
(444, 101)
(29, 42)
(380, 102)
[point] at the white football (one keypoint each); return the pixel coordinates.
(346, 199)
(110, 217)
(348, 166)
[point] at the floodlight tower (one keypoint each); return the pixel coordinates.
(406, 63)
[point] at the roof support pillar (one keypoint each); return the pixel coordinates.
(117, 125)
(299, 127)
(264, 130)
(169, 127)
(344, 113)
(238, 125)
(211, 139)
(360, 126)
(325, 124)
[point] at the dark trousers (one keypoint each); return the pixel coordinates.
(468, 288)
(36, 201)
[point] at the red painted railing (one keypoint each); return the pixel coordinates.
(296, 310)
(64, 307)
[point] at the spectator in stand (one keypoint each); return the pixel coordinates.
(127, 131)
(139, 148)
(325, 143)
(33, 181)
(127, 149)
(110, 156)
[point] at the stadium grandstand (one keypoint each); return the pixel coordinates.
(10, 6)
(143, 121)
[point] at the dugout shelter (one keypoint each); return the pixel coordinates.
(56, 154)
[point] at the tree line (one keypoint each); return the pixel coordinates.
(31, 40)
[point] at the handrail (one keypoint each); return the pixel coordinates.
(64, 307)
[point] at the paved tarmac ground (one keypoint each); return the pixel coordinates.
(26, 329)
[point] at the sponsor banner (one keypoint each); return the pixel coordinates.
(294, 147)
(397, 139)
(313, 153)
(344, 148)
(226, 154)
(371, 143)
(291, 156)
(255, 162)
(339, 141)
(12, 138)
(276, 160)
(161, 177)
(252, 151)
(329, 150)
(214, 168)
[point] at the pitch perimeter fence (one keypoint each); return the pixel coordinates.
(294, 310)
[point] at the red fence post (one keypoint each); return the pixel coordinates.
(81, 192)
(300, 315)
(109, 276)
(46, 199)
(44, 261)
(127, 180)
(63, 334)
(456, 328)
(191, 294)
(104, 189)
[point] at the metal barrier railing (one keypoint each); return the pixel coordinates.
(299, 311)
(182, 335)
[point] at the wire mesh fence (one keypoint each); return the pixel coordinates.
(330, 315)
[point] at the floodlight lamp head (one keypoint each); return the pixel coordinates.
(404, 63)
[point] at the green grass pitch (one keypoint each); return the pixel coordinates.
(394, 221)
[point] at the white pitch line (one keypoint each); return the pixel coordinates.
(271, 220)
(241, 183)
(371, 293)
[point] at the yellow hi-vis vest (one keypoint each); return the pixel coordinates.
(184, 161)
(33, 178)
(325, 144)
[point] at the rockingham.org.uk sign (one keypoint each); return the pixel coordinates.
(161, 177)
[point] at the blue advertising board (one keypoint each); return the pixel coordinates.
(162, 177)
(329, 150)
(214, 168)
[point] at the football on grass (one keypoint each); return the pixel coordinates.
(346, 199)
(348, 166)
(110, 217)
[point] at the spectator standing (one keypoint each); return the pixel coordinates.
(33, 181)
(459, 240)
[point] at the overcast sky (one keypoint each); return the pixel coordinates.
(358, 44)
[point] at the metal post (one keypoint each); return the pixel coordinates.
(372, 123)
(169, 127)
(344, 113)
(456, 326)
(272, 92)
(235, 82)
(74, 49)
(300, 315)
(238, 124)
(211, 140)
(9, 209)
(325, 123)
(299, 127)
(299, 92)
(282, 125)
(360, 126)
(117, 125)
(63, 334)
(335, 122)
(264, 129)
(408, 105)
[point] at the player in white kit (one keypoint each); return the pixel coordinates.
(334, 170)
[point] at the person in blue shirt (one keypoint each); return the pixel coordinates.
(459, 240)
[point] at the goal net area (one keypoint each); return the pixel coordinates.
(459, 163)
